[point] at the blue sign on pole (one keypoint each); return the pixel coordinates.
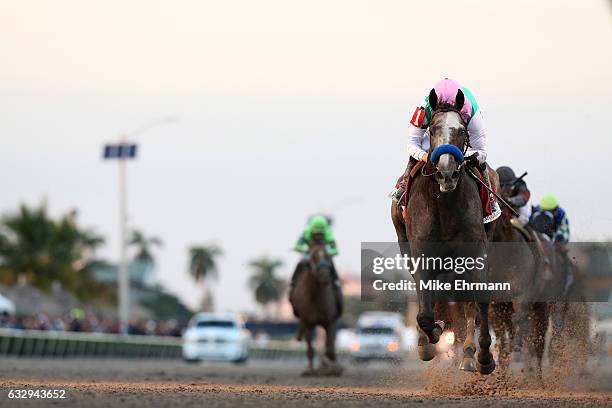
(120, 151)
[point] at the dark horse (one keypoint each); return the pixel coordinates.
(314, 302)
(445, 219)
(515, 259)
(534, 268)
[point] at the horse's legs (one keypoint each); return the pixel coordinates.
(539, 326)
(330, 342)
(425, 317)
(484, 362)
(469, 347)
(503, 327)
(509, 324)
(520, 324)
(557, 317)
(459, 324)
(310, 352)
(426, 350)
(429, 330)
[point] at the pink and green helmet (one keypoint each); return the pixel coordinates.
(446, 90)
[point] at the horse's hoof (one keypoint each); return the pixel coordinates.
(326, 361)
(333, 370)
(486, 369)
(467, 364)
(309, 372)
(434, 337)
(427, 352)
(330, 368)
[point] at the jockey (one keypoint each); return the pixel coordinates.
(551, 219)
(418, 137)
(549, 206)
(318, 230)
(516, 193)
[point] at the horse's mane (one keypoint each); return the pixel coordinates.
(445, 106)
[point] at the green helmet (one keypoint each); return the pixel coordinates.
(318, 224)
(549, 202)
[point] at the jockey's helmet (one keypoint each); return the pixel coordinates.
(318, 224)
(446, 91)
(506, 175)
(549, 202)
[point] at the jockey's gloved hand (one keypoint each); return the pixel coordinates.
(303, 248)
(331, 250)
(472, 160)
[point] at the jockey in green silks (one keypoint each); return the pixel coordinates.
(318, 230)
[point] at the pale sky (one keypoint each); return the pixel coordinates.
(300, 105)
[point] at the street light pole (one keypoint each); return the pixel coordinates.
(124, 151)
(123, 274)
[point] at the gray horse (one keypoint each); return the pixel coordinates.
(445, 219)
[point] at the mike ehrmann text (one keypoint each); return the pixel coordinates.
(458, 285)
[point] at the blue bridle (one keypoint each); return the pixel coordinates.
(446, 149)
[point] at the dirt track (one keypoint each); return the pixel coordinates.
(97, 383)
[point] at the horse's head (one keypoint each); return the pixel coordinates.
(448, 139)
(320, 265)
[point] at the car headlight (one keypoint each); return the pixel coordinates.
(355, 346)
(393, 346)
(189, 335)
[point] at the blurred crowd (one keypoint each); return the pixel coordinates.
(79, 321)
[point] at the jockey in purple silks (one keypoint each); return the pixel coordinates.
(418, 137)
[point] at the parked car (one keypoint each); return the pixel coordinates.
(216, 337)
(379, 336)
(6, 305)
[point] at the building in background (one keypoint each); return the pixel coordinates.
(141, 274)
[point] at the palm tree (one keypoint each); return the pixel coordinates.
(202, 267)
(202, 261)
(44, 250)
(144, 245)
(267, 286)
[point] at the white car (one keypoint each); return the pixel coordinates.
(379, 336)
(216, 337)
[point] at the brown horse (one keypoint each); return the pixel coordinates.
(314, 301)
(537, 283)
(516, 260)
(446, 211)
